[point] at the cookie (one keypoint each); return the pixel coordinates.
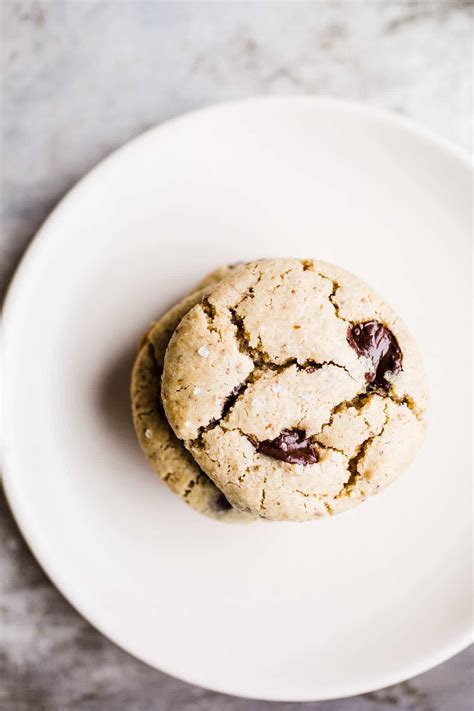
(295, 388)
(165, 453)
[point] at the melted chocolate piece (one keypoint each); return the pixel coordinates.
(221, 504)
(375, 341)
(290, 446)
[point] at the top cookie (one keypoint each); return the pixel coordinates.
(296, 389)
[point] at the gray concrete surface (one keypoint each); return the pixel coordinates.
(82, 77)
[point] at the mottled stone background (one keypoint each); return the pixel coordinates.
(80, 78)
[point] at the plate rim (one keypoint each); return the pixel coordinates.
(13, 294)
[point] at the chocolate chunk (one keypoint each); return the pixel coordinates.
(375, 341)
(221, 504)
(290, 446)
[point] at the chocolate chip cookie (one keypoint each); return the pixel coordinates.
(295, 388)
(165, 453)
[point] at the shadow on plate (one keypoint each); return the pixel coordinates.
(114, 397)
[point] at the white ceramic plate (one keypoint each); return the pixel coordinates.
(274, 611)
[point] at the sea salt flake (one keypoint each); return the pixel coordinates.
(196, 390)
(148, 433)
(203, 352)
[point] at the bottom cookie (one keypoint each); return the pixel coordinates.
(165, 453)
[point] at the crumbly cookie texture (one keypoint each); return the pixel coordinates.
(165, 453)
(295, 388)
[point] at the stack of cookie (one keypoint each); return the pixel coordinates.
(281, 389)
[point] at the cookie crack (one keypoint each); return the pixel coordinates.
(408, 401)
(210, 313)
(353, 463)
(263, 495)
(261, 359)
(258, 355)
(308, 266)
(242, 338)
(239, 390)
(229, 402)
(332, 298)
(328, 448)
(308, 365)
(358, 402)
(318, 498)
